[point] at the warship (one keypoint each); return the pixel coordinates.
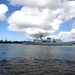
(48, 41)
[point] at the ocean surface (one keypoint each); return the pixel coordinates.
(19, 59)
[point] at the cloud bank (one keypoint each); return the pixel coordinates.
(33, 21)
(41, 16)
(68, 35)
(36, 3)
(3, 10)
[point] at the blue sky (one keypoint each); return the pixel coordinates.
(23, 20)
(4, 32)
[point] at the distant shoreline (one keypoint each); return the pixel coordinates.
(10, 43)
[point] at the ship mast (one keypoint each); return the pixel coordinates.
(41, 37)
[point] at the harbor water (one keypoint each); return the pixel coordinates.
(19, 59)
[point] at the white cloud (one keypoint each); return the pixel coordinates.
(41, 16)
(72, 34)
(67, 7)
(67, 35)
(63, 35)
(56, 24)
(34, 21)
(36, 3)
(73, 24)
(68, 11)
(3, 10)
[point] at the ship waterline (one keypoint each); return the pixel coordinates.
(47, 43)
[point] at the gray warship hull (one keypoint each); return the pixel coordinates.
(47, 43)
